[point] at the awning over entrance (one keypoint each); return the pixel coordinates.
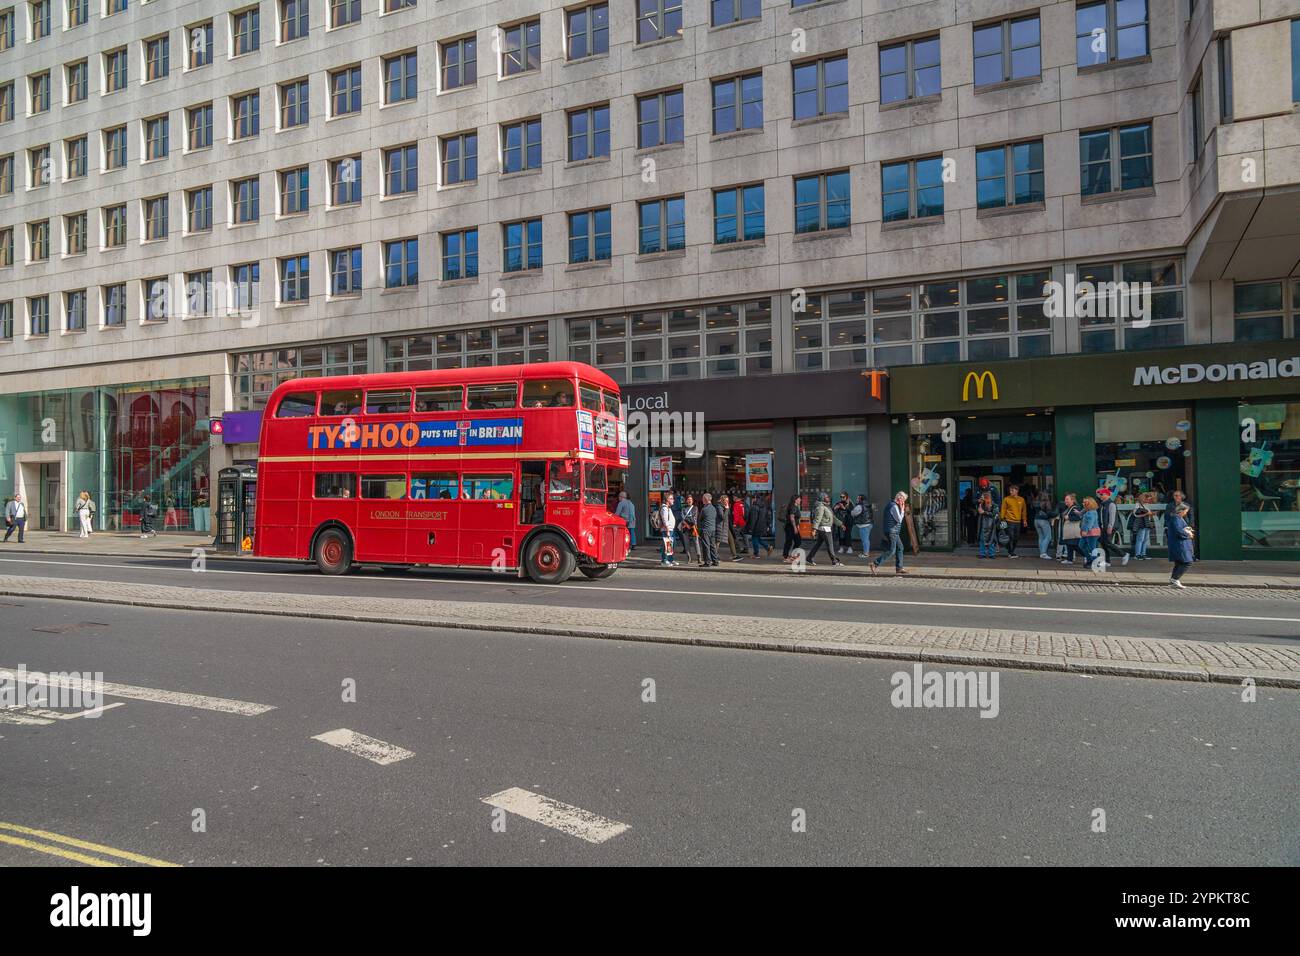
(1248, 236)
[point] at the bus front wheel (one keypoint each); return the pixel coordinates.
(598, 572)
(549, 559)
(333, 552)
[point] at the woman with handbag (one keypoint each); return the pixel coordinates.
(1089, 530)
(1071, 519)
(689, 528)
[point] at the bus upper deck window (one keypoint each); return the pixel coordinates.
(548, 393)
(297, 405)
(394, 402)
(590, 397)
(446, 399)
(492, 396)
(345, 401)
(611, 403)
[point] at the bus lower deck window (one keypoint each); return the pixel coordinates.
(489, 487)
(435, 485)
(391, 487)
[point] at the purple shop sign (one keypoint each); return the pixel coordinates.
(241, 427)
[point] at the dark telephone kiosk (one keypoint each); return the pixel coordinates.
(236, 509)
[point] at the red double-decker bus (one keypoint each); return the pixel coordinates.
(507, 468)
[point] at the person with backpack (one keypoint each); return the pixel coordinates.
(85, 510)
(148, 511)
(1108, 517)
(707, 531)
(863, 516)
(823, 522)
(793, 537)
(16, 518)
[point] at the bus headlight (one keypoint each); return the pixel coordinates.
(591, 539)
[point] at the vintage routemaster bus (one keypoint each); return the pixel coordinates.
(505, 468)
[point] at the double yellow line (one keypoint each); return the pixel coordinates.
(7, 831)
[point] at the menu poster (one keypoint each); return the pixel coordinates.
(661, 473)
(758, 472)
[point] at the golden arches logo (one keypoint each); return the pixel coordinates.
(979, 378)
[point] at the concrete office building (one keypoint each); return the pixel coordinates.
(199, 199)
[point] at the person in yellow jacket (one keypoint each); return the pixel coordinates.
(1016, 515)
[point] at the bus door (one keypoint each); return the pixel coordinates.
(488, 513)
(381, 514)
(433, 518)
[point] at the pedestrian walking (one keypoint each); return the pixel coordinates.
(987, 527)
(1143, 524)
(666, 525)
(707, 528)
(757, 523)
(689, 528)
(824, 522)
(1108, 517)
(85, 511)
(1181, 535)
(793, 538)
(1090, 532)
(863, 516)
(1014, 512)
(1071, 527)
(16, 518)
(843, 510)
(627, 511)
(1042, 514)
(895, 515)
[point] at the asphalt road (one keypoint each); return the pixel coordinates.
(713, 771)
(1208, 613)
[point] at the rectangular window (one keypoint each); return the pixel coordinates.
(658, 20)
(115, 148)
(1197, 105)
(157, 58)
(738, 103)
(295, 100)
(336, 484)
(345, 181)
(1259, 312)
(1295, 61)
(1009, 50)
(293, 20)
(738, 214)
(114, 226)
(39, 87)
(114, 299)
(661, 225)
(521, 49)
(400, 78)
(383, 487)
(586, 31)
(821, 87)
(6, 247)
(38, 313)
(199, 299)
(447, 398)
(293, 191)
(345, 91)
(115, 63)
(401, 170)
(523, 245)
(76, 75)
(38, 235)
(521, 146)
(156, 138)
(822, 202)
(155, 218)
(40, 166)
(343, 12)
(589, 236)
(74, 154)
(392, 6)
(401, 264)
(115, 6)
(912, 189)
(7, 174)
(246, 113)
(659, 119)
(245, 200)
(460, 255)
(6, 102)
(40, 19)
(345, 271)
(459, 63)
(1010, 175)
(295, 279)
(198, 209)
(6, 320)
(245, 31)
(483, 397)
(1225, 75)
(459, 159)
(395, 402)
(1270, 475)
(247, 281)
(78, 12)
(74, 231)
(435, 485)
(1115, 160)
(199, 44)
(1110, 31)
(722, 12)
(589, 133)
(910, 70)
(198, 125)
(489, 487)
(74, 311)
(6, 43)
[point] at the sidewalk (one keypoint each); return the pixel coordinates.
(1276, 665)
(1229, 574)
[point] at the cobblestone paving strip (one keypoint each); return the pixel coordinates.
(1268, 664)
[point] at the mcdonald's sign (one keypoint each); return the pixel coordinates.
(979, 378)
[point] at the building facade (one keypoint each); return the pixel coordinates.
(198, 200)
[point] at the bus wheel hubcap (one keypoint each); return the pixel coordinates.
(548, 557)
(333, 552)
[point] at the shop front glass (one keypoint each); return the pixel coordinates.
(118, 443)
(928, 483)
(733, 460)
(832, 458)
(1270, 475)
(1143, 453)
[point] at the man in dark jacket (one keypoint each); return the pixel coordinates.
(1108, 517)
(708, 528)
(895, 514)
(844, 531)
(757, 523)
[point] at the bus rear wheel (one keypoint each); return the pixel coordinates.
(598, 572)
(549, 560)
(333, 552)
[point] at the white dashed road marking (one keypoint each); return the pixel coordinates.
(371, 748)
(197, 701)
(574, 821)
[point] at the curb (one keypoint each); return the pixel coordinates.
(903, 652)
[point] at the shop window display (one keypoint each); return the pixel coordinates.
(1270, 475)
(1144, 451)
